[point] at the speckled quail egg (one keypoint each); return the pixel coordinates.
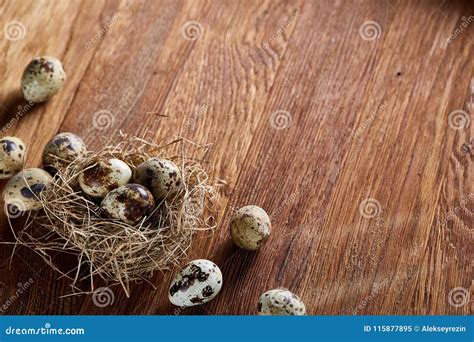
(128, 203)
(250, 227)
(161, 176)
(22, 190)
(197, 283)
(12, 156)
(280, 302)
(62, 149)
(104, 175)
(42, 79)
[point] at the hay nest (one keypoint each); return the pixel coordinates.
(117, 252)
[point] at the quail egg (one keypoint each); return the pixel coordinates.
(250, 227)
(42, 79)
(22, 190)
(197, 283)
(62, 149)
(161, 176)
(280, 302)
(104, 175)
(12, 156)
(128, 203)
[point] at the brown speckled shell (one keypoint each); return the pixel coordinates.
(197, 283)
(63, 148)
(161, 176)
(250, 227)
(22, 190)
(280, 302)
(42, 79)
(102, 176)
(128, 203)
(12, 156)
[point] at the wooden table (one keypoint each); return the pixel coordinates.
(348, 121)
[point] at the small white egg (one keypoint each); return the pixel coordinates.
(103, 176)
(197, 283)
(280, 302)
(23, 189)
(42, 79)
(128, 203)
(161, 176)
(62, 149)
(12, 156)
(250, 227)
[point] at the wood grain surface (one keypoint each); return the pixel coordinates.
(349, 122)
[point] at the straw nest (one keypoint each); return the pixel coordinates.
(114, 251)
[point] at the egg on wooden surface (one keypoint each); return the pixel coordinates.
(12, 156)
(250, 227)
(129, 203)
(42, 79)
(197, 283)
(280, 302)
(23, 189)
(103, 176)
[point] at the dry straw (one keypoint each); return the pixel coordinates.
(115, 251)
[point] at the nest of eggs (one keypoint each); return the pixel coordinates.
(113, 250)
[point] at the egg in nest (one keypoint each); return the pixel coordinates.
(129, 203)
(103, 176)
(161, 176)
